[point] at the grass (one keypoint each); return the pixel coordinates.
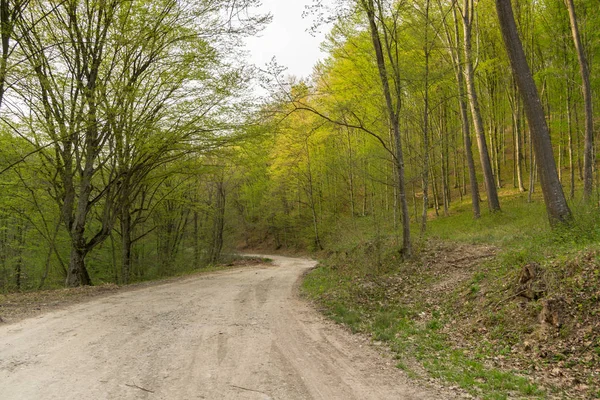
(521, 229)
(397, 325)
(517, 220)
(353, 286)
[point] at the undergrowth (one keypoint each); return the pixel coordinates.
(455, 312)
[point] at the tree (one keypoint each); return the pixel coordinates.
(458, 64)
(119, 88)
(426, 124)
(375, 15)
(71, 114)
(10, 13)
(468, 16)
(556, 203)
(588, 154)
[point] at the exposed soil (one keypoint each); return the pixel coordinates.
(449, 265)
(237, 334)
(17, 306)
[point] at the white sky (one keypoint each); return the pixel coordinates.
(287, 38)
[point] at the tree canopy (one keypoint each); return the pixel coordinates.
(133, 145)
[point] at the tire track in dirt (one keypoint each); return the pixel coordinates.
(238, 334)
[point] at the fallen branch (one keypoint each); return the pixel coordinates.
(249, 390)
(139, 387)
(509, 298)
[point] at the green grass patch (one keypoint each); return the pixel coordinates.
(400, 328)
(356, 286)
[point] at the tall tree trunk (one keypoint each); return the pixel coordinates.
(571, 149)
(218, 223)
(445, 198)
(518, 135)
(436, 194)
(578, 137)
(495, 136)
(6, 30)
(77, 274)
(393, 114)
(113, 254)
(426, 127)
(126, 245)
(197, 241)
(464, 119)
(19, 264)
(10, 11)
(498, 155)
(315, 220)
(561, 145)
(351, 173)
(588, 155)
(488, 175)
(556, 203)
(532, 166)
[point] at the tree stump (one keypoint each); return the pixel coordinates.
(553, 312)
(531, 285)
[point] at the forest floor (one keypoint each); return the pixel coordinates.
(501, 307)
(242, 333)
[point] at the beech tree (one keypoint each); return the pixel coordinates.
(588, 154)
(10, 13)
(118, 88)
(453, 43)
(386, 55)
(556, 203)
(468, 18)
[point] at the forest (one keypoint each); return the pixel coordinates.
(389, 135)
(133, 145)
(138, 143)
(120, 122)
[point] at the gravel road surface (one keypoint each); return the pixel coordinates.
(238, 334)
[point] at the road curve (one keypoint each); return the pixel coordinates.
(238, 334)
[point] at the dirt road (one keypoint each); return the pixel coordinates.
(239, 334)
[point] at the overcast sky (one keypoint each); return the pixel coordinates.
(287, 38)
